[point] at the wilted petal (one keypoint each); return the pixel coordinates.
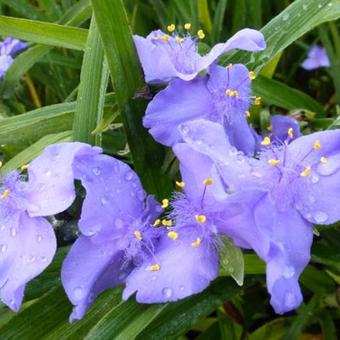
(181, 101)
(89, 269)
(51, 178)
(184, 270)
(27, 246)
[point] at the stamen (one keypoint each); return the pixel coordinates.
(317, 145)
(171, 28)
(208, 181)
(273, 162)
(178, 39)
(229, 66)
(164, 37)
(252, 75)
(5, 194)
(248, 114)
(323, 160)
(197, 243)
(24, 167)
(258, 101)
(306, 172)
(187, 26)
(229, 92)
(290, 133)
(1, 164)
(200, 218)
(167, 223)
(173, 235)
(201, 34)
(157, 222)
(165, 203)
(266, 141)
(154, 268)
(180, 184)
(138, 235)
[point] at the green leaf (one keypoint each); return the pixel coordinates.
(253, 264)
(276, 93)
(231, 261)
(127, 79)
(273, 330)
(44, 33)
(90, 92)
(35, 150)
(292, 23)
(218, 20)
(204, 15)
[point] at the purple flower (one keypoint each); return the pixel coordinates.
(9, 48)
(317, 57)
(280, 195)
(222, 96)
(164, 57)
(28, 242)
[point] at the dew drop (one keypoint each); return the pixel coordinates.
(319, 6)
(320, 217)
(290, 300)
(167, 292)
(91, 232)
(3, 248)
(141, 195)
(48, 173)
(185, 130)
(315, 179)
(285, 16)
(13, 232)
(78, 293)
(304, 7)
(96, 171)
(2, 227)
(153, 278)
(311, 199)
(31, 259)
(43, 259)
(103, 201)
(181, 288)
(39, 238)
(129, 176)
(256, 174)
(288, 272)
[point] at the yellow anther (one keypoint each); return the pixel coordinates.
(165, 203)
(5, 194)
(154, 267)
(171, 28)
(179, 39)
(248, 114)
(138, 235)
(306, 172)
(201, 34)
(229, 66)
(258, 101)
(290, 133)
(266, 141)
(252, 75)
(1, 164)
(273, 162)
(187, 26)
(164, 37)
(200, 218)
(317, 145)
(157, 222)
(173, 235)
(180, 184)
(270, 128)
(197, 243)
(236, 94)
(208, 181)
(229, 92)
(323, 160)
(167, 223)
(24, 167)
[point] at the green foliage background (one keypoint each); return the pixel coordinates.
(81, 80)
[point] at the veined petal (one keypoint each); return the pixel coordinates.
(180, 102)
(51, 178)
(27, 247)
(183, 270)
(247, 39)
(89, 269)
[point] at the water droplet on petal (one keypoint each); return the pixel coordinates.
(141, 195)
(91, 232)
(39, 238)
(181, 288)
(288, 272)
(129, 176)
(13, 232)
(320, 217)
(290, 300)
(43, 259)
(315, 179)
(285, 16)
(311, 199)
(167, 292)
(48, 173)
(31, 259)
(3, 248)
(153, 278)
(78, 293)
(96, 171)
(304, 7)
(2, 227)
(103, 201)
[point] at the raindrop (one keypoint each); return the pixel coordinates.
(78, 293)
(320, 217)
(39, 238)
(256, 174)
(153, 278)
(311, 199)
(185, 130)
(13, 232)
(2, 227)
(43, 259)
(3, 248)
(319, 6)
(31, 259)
(129, 176)
(103, 201)
(315, 179)
(181, 288)
(288, 272)
(290, 300)
(167, 292)
(285, 16)
(91, 232)
(96, 171)
(304, 7)
(48, 173)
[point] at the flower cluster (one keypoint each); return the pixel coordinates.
(9, 48)
(264, 192)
